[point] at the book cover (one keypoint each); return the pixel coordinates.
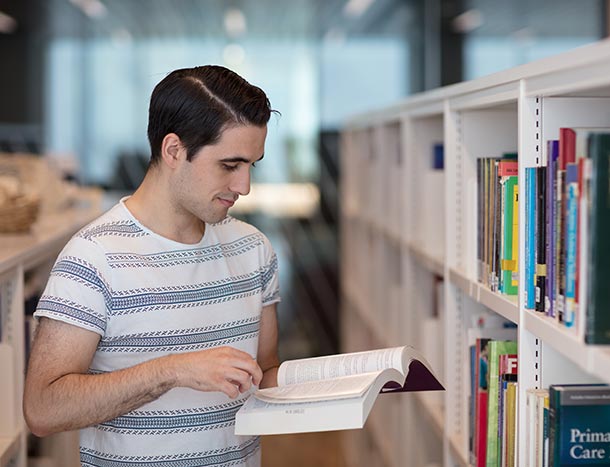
(511, 425)
(497, 228)
(335, 392)
(598, 296)
(530, 240)
(579, 424)
(553, 155)
(582, 280)
(480, 217)
(567, 154)
(510, 236)
(570, 242)
(540, 239)
(495, 349)
(508, 369)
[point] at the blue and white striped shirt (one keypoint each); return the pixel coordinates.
(148, 296)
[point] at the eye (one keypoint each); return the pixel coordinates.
(253, 164)
(229, 167)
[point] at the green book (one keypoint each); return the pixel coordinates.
(494, 350)
(597, 330)
(510, 284)
(579, 420)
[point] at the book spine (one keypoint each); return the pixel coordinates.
(530, 241)
(509, 262)
(553, 153)
(571, 243)
(540, 239)
(480, 218)
(598, 302)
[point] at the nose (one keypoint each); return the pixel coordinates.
(240, 183)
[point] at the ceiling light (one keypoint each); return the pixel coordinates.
(356, 8)
(235, 23)
(8, 24)
(467, 21)
(94, 9)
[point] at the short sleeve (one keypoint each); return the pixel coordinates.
(270, 275)
(77, 291)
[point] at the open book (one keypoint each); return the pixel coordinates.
(335, 392)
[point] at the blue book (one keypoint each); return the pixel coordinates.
(571, 243)
(579, 425)
(530, 240)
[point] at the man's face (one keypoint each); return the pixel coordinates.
(217, 175)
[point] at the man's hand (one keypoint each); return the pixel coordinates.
(224, 369)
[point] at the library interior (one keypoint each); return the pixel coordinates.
(428, 217)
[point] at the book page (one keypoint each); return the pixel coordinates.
(337, 388)
(336, 366)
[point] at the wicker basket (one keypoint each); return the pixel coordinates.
(19, 213)
(19, 198)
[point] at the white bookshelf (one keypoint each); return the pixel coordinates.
(19, 255)
(404, 247)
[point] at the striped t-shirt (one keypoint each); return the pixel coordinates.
(148, 296)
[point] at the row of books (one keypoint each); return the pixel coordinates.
(493, 402)
(567, 230)
(498, 223)
(566, 424)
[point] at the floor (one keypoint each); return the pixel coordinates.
(303, 450)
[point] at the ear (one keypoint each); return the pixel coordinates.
(172, 150)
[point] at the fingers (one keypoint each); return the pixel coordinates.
(246, 363)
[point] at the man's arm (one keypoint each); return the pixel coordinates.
(59, 394)
(268, 358)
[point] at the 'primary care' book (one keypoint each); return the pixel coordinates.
(334, 392)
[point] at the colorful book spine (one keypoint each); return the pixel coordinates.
(570, 242)
(530, 241)
(579, 425)
(552, 158)
(567, 150)
(540, 239)
(495, 349)
(509, 270)
(598, 295)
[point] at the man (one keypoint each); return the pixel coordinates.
(160, 316)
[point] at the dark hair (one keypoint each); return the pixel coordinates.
(198, 104)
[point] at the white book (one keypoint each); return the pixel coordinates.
(334, 392)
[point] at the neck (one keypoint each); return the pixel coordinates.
(152, 206)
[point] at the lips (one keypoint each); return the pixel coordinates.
(227, 202)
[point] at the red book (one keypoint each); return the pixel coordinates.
(480, 431)
(567, 147)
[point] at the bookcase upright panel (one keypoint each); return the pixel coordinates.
(12, 429)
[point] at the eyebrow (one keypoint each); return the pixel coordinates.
(240, 159)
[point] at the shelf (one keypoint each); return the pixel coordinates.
(464, 283)
(593, 359)
(9, 448)
(427, 260)
(506, 306)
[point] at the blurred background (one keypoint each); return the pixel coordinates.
(76, 77)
